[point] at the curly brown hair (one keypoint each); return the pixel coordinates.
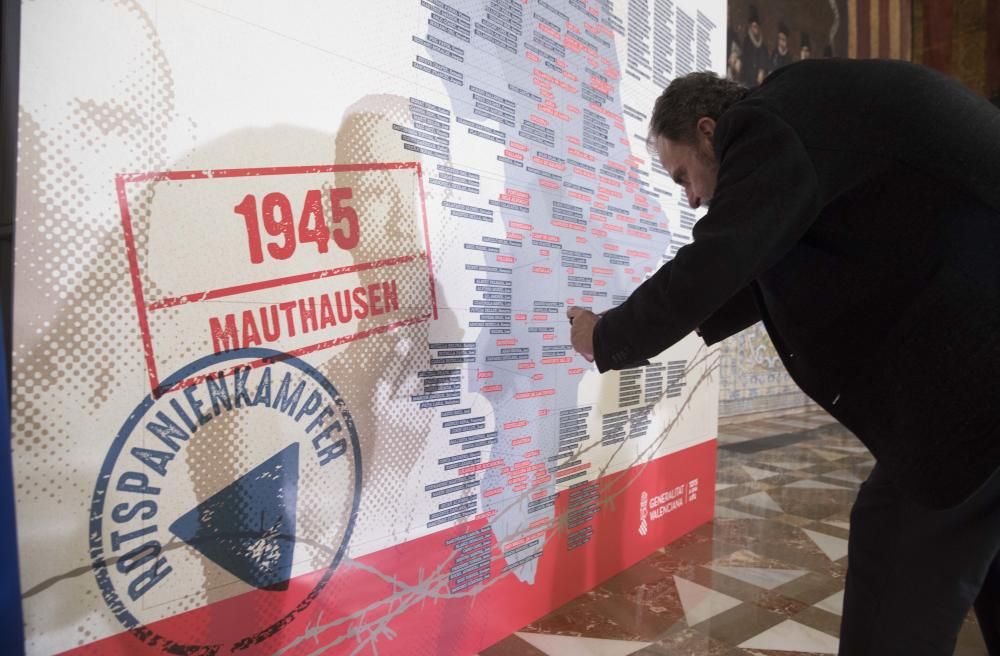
(688, 99)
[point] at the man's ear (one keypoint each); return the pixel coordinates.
(706, 127)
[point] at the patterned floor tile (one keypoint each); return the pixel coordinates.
(844, 475)
(793, 636)
(759, 502)
(813, 587)
(851, 449)
(512, 646)
(603, 614)
(779, 603)
(791, 465)
(558, 645)
(722, 512)
(814, 504)
(810, 484)
(832, 604)
(829, 456)
(838, 523)
(793, 520)
(819, 619)
(684, 641)
(730, 438)
(837, 530)
(834, 548)
(765, 578)
(759, 474)
(740, 624)
(700, 602)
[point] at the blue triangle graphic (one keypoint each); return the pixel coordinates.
(248, 527)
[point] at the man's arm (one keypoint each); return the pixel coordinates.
(766, 198)
(739, 312)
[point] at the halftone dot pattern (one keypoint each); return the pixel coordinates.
(75, 334)
(377, 375)
(382, 370)
(70, 257)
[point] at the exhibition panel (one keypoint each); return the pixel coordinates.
(291, 365)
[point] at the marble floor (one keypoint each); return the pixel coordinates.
(765, 578)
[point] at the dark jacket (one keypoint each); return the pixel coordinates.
(857, 213)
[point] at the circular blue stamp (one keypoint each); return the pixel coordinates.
(234, 492)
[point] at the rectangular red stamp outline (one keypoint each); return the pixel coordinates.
(143, 308)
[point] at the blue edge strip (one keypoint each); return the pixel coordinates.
(11, 624)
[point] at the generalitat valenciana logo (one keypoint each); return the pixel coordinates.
(643, 512)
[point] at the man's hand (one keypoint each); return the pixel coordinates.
(582, 324)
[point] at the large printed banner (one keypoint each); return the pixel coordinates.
(292, 373)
